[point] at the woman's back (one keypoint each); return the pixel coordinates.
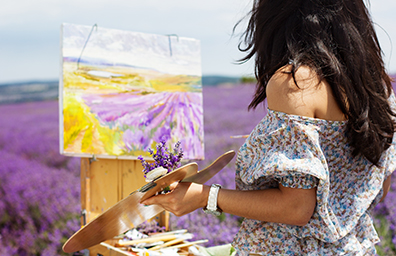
(306, 96)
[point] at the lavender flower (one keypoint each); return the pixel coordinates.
(150, 227)
(39, 188)
(163, 158)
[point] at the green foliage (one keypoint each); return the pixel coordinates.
(248, 80)
(222, 217)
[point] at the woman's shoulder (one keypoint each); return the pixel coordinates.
(310, 97)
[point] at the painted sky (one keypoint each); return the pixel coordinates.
(166, 54)
(30, 30)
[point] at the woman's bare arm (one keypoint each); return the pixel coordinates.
(283, 205)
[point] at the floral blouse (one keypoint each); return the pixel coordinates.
(303, 152)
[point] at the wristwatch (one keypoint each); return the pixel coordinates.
(211, 207)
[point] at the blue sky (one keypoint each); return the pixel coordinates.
(30, 30)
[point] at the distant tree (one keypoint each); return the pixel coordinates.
(248, 80)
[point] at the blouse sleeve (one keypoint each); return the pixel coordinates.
(297, 180)
(291, 149)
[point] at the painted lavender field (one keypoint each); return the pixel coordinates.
(40, 189)
(128, 92)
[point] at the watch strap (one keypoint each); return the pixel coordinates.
(212, 200)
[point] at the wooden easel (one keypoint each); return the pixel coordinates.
(104, 182)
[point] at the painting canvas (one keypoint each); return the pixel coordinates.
(123, 92)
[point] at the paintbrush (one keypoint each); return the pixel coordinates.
(172, 242)
(151, 239)
(188, 244)
(238, 136)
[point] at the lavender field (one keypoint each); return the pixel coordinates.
(40, 189)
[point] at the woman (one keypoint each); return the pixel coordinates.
(322, 157)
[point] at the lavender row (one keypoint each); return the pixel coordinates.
(39, 188)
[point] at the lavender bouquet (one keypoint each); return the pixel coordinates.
(165, 161)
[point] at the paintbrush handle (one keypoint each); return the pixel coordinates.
(172, 242)
(238, 136)
(188, 244)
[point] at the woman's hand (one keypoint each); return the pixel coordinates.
(183, 198)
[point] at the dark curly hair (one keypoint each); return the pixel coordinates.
(336, 39)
